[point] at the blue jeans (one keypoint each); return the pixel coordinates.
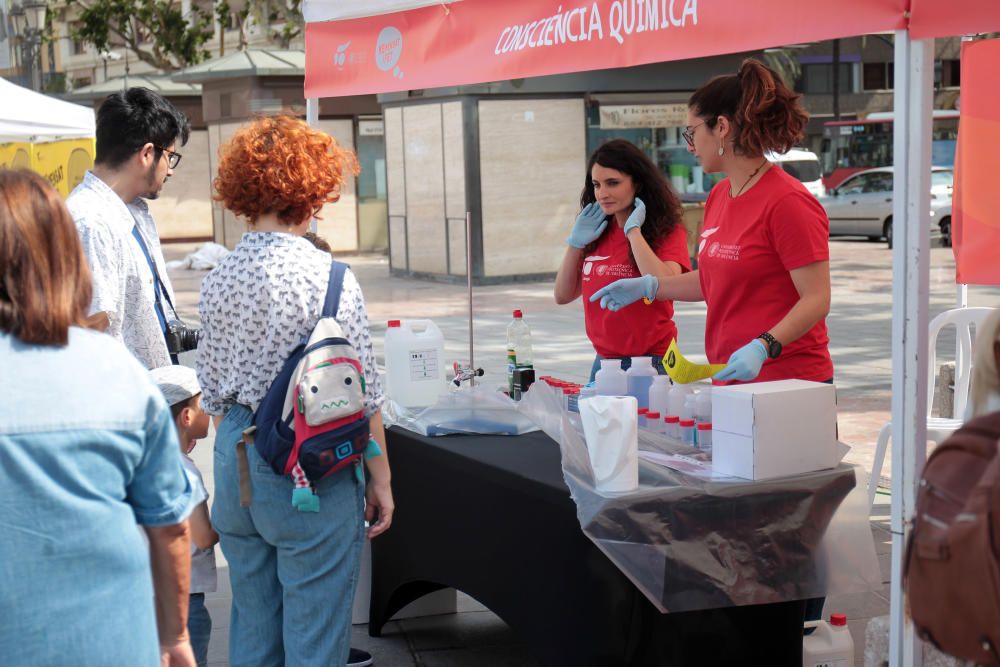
(199, 628)
(293, 574)
(626, 364)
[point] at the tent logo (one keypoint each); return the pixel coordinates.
(388, 49)
(340, 57)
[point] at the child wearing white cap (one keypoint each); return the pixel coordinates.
(179, 385)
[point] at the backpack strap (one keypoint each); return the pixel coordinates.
(333, 289)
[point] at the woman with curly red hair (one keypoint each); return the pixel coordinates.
(293, 573)
(763, 260)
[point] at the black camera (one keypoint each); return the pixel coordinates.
(181, 338)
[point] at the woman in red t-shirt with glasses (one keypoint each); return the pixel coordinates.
(763, 258)
(630, 225)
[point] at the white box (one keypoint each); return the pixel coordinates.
(772, 429)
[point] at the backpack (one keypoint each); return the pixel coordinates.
(312, 423)
(952, 567)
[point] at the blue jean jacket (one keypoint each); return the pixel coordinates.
(88, 449)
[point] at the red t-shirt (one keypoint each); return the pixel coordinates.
(637, 329)
(748, 248)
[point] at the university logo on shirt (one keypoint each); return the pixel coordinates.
(588, 264)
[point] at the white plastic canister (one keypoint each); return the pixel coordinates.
(829, 645)
(414, 362)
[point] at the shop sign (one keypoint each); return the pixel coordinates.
(624, 117)
(370, 128)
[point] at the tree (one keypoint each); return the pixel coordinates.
(785, 63)
(156, 31)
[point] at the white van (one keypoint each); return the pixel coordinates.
(803, 165)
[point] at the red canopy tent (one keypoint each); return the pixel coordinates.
(444, 43)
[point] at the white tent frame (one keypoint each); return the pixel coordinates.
(912, 102)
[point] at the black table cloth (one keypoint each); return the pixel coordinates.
(492, 517)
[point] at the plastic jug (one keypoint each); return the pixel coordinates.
(414, 362)
(611, 379)
(830, 644)
(640, 377)
(659, 394)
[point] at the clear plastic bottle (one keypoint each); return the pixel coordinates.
(642, 417)
(519, 353)
(659, 394)
(611, 380)
(671, 427)
(640, 376)
(654, 422)
(687, 432)
(704, 436)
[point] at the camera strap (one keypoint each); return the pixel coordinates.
(158, 287)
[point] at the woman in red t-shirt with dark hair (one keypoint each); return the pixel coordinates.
(646, 236)
(763, 258)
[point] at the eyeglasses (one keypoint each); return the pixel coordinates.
(173, 159)
(688, 133)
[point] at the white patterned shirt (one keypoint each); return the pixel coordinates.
(262, 300)
(123, 284)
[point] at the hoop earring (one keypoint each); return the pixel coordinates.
(722, 151)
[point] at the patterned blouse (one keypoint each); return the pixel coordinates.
(257, 305)
(122, 282)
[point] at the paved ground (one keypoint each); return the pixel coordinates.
(859, 326)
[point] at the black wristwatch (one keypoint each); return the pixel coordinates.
(772, 345)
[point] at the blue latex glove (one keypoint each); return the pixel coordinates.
(589, 226)
(637, 217)
(623, 292)
(744, 364)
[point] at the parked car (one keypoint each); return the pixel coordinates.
(862, 204)
(803, 165)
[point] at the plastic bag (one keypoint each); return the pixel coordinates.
(691, 543)
(478, 409)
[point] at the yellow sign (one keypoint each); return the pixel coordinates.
(62, 163)
(683, 371)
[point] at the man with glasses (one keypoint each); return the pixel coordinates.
(138, 133)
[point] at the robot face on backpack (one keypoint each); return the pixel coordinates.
(331, 390)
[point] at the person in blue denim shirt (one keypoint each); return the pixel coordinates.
(87, 451)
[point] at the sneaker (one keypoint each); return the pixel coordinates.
(359, 658)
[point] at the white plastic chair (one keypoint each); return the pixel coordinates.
(938, 428)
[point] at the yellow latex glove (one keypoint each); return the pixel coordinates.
(683, 371)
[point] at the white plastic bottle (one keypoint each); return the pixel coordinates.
(519, 353)
(659, 394)
(687, 412)
(414, 362)
(678, 393)
(654, 422)
(640, 376)
(829, 644)
(611, 379)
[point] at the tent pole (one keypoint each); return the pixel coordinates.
(312, 117)
(914, 71)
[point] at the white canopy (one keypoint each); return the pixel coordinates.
(29, 116)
